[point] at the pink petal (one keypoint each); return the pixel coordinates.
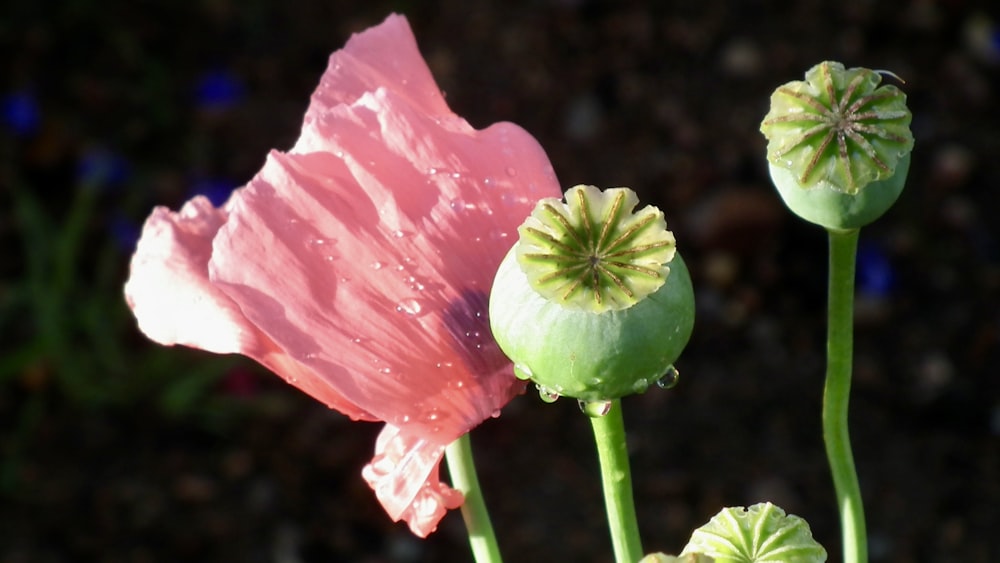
(357, 265)
(405, 477)
(175, 303)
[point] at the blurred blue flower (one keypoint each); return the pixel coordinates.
(217, 190)
(875, 276)
(218, 89)
(20, 113)
(124, 232)
(99, 167)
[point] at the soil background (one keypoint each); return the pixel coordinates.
(139, 103)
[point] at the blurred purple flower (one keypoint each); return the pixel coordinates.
(218, 90)
(20, 113)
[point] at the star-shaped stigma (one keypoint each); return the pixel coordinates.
(592, 252)
(838, 127)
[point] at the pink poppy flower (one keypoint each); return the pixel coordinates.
(357, 264)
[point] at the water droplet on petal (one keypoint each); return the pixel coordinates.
(546, 394)
(495, 413)
(376, 265)
(398, 234)
(595, 409)
(523, 372)
(669, 379)
(409, 306)
(511, 171)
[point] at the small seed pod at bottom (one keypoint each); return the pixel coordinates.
(592, 302)
(759, 534)
(664, 558)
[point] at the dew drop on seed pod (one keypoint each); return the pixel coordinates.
(523, 372)
(640, 385)
(595, 409)
(669, 379)
(546, 394)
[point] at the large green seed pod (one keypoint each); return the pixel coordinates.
(759, 534)
(838, 145)
(593, 302)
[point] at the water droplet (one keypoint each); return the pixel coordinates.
(495, 414)
(456, 175)
(329, 258)
(376, 265)
(432, 171)
(546, 394)
(398, 234)
(669, 379)
(317, 241)
(309, 356)
(523, 372)
(595, 409)
(448, 365)
(340, 154)
(409, 306)
(433, 415)
(640, 385)
(385, 370)
(511, 171)
(488, 181)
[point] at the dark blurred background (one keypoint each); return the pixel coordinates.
(116, 450)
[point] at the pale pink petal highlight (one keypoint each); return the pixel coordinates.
(405, 477)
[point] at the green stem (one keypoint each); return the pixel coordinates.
(477, 519)
(836, 394)
(609, 433)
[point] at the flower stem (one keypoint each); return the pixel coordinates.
(836, 394)
(477, 519)
(609, 433)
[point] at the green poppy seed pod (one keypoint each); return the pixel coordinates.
(761, 533)
(592, 302)
(838, 145)
(664, 558)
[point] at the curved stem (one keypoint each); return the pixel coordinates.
(477, 519)
(609, 433)
(836, 394)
